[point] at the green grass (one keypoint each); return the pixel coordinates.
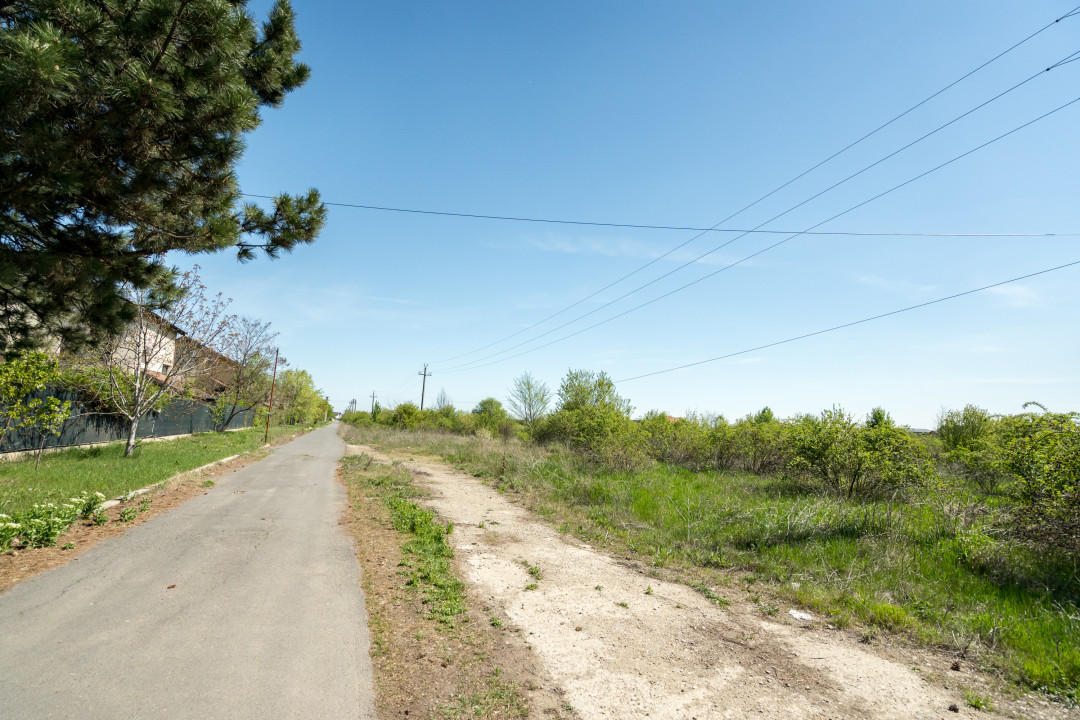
(426, 562)
(104, 468)
(931, 566)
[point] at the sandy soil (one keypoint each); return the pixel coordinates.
(623, 644)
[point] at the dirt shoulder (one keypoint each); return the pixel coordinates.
(480, 668)
(18, 565)
(623, 642)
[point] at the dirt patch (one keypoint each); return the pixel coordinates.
(483, 668)
(18, 565)
(623, 643)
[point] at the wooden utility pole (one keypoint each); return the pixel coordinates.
(270, 410)
(423, 387)
(373, 403)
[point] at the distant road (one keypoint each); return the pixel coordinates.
(266, 619)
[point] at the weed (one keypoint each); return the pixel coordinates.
(977, 701)
(599, 588)
(533, 569)
(144, 505)
(495, 622)
(711, 595)
(128, 514)
(531, 586)
(207, 484)
(622, 604)
(767, 609)
(100, 518)
(648, 590)
(68, 546)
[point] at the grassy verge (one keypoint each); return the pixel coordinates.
(104, 469)
(928, 567)
(429, 657)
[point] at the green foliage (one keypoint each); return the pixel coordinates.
(683, 442)
(529, 398)
(1042, 452)
(357, 418)
(832, 451)
(759, 442)
(43, 524)
(297, 400)
(23, 379)
(490, 414)
(584, 388)
(123, 123)
(406, 415)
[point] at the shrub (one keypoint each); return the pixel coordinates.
(682, 442)
(759, 443)
(971, 441)
(405, 415)
(357, 419)
(490, 414)
(829, 450)
(1042, 452)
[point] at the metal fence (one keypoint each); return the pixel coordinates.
(88, 426)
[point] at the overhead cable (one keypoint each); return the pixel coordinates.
(873, 132)
(474, 364)
(851, 324)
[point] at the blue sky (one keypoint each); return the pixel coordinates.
(676, 114)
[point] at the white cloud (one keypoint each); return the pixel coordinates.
(1017, 295)
(895, 286)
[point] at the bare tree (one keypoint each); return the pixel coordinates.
(170, 345)
(529, 398)
(244, 368)
(443, 401)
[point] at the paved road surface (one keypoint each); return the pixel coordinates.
(266, 620)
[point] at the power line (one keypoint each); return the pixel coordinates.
(775, 217)
(828, 233)
(853, 323)
(473, 365)
(779, 188)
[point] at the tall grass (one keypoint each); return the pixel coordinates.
(928, 564)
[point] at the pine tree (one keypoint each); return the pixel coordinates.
(121, 122)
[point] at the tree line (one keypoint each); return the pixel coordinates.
(1027, 463)
(181, 343)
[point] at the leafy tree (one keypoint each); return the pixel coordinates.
(406, 415)
(528, 398)
(490, 414)
(582, 388)
(166, 348)
(21, 378)
(297, 400)
(122, 123)
(245, 368)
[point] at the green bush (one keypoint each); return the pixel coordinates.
(971, 441)
(760, 443)
(490, 414)
(405, 415)
(357, 419)
(684, 441)
(1042, 452)
(832, 452)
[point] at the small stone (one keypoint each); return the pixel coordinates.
(578, 628)
(954, 708)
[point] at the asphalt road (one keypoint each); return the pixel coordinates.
(266, 619)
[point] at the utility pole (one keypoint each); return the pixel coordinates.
(423, 387)
(373, 403)
(270, 410)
